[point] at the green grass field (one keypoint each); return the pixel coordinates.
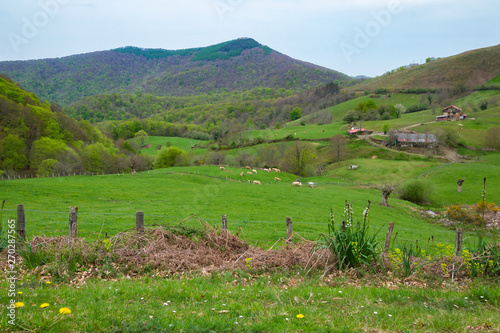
(182, 143)
(107, 204)
(245, 302)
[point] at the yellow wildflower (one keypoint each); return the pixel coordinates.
(18, 304)
(300, 316)
(44, 305)
(64, 311)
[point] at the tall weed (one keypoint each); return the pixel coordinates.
(352, 246)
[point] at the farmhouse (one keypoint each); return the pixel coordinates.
(414, 139)
(359, 131)
(451, 112)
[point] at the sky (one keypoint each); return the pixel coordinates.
(355, 37)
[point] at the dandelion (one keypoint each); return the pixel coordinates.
(44, 305)
(18, 304)
(20, 292)
(300, 316)
(48, 282)
(64, 311)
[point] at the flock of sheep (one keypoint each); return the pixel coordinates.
(296, 183)
(253, 171)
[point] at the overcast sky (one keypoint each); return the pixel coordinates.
(355, 37)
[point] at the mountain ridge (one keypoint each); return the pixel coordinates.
(235, 65)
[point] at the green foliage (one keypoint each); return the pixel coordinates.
(351, 116)
(402, 259)
(13, 153)
(128, 147)
(33, 256)
(386, 128)
(46, 148)
(142, 137)
(296, 113)
(418, 191)
(352, 246)
(169, 157)
(46, 167)
(299, 159)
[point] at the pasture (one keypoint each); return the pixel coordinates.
(107, 204)
(182, 143)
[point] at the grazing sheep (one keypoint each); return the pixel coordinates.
(242, 174)
(222, 168)
(250, 173)
(277, 179)
(248, 168)
(256, 182)
(254, 171)
(298, 184)
(266, 170)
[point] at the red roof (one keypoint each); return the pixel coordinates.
(356, 130)
(452, 107)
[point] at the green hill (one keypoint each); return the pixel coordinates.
(40, 137)
(466, 70)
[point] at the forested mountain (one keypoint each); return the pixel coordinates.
(237, 65)
(40, 136)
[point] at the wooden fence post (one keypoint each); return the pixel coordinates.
(224, 222)
(21, 222)
(139, 222)
(458, 241)
(388, 237)
(73, 222)
(289, 231)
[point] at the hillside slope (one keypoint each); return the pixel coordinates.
(38, 135)
(465, 70)
(236, 65)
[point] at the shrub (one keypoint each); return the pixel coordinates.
(46, 167)
(418, 191)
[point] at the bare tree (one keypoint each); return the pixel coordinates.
(338, 145)
(386, 189)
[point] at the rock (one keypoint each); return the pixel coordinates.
(447, 222)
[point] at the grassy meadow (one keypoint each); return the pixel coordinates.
(182, 143)
(107, 204)
(244, 302)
